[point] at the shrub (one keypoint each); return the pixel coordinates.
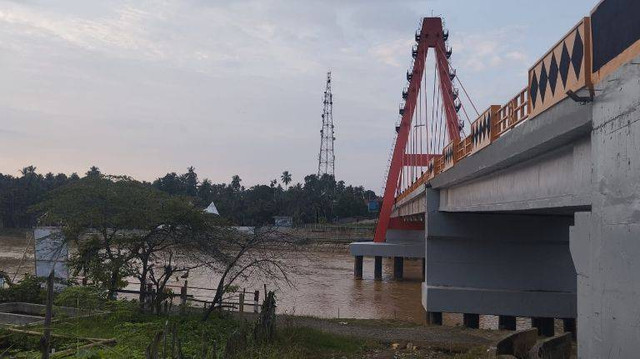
(28, 290)
(82, 297)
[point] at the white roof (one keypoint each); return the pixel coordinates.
(212, 209)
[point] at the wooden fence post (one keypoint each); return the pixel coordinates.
(45, 342)
(241, 304)
(183, 297)
(256, 297)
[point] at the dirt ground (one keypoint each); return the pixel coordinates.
(402, 339)
(407, 340)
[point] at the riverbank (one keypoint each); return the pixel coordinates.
(297, 337)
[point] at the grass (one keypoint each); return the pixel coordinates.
(134, 331)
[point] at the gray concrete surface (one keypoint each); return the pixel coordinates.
(400, 243)
(19, 313)
(559, 179)
(605, 243)
(517, 265)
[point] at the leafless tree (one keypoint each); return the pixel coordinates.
(238, 255)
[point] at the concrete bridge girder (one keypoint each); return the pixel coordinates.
(515, 265)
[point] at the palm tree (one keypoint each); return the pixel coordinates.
(286, 178)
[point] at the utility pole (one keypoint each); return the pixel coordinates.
(327, 158)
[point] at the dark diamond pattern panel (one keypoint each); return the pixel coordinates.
(533, 91)
(565, 61)
(487, 125)
(553, 74)
(577, 54)
(543, 82)
(448, 155)
(570, 57)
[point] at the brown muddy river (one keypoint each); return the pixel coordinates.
(322, 285)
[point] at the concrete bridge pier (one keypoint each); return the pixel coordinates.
(471, 320)
(434, 318)
(398, 268)
(377, 268)
(400, 244)
(545, 326)
(357, 266)
(507, 322)
(569, 326)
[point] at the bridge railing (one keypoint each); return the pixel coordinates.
(511, 114)
(565, 67)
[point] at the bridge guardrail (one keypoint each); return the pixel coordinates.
(509, 115)
(566, 67)
(483, 129)
(448, 155)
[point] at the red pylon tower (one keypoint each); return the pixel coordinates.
(412, 133)
(327, 158)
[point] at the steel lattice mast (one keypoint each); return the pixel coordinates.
(327, 158)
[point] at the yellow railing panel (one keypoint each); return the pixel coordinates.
(566, 67)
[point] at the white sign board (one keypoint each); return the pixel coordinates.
(51, 252)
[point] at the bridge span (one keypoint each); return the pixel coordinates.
(536, 213)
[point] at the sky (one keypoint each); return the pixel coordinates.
(142, 88)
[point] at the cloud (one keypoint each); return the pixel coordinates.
(122, 30)
(392, 53)
(481, 51)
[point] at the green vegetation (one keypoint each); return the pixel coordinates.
(88, 298)
(124, 228)
(134, 331)
(314, 200)
(27, 290)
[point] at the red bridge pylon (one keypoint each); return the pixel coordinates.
(427, 125)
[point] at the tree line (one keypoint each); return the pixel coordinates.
(314, 200)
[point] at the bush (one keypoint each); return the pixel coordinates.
(28, 290)
(82, 297)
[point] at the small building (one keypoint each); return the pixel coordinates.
(212, 209)
(283, 221)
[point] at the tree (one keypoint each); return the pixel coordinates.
(286, 178)
(120, 227)
(190, 180)
(317, 199)
(238, 255)
(93, 172)
(235, 183)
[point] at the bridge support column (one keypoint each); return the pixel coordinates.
(507, 322)
(471, 320)
(434, 318)
(545, 326)
(398, 268)
(357, 267)
(569, 325)
(377, 268)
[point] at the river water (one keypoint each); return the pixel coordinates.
(322, 285)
